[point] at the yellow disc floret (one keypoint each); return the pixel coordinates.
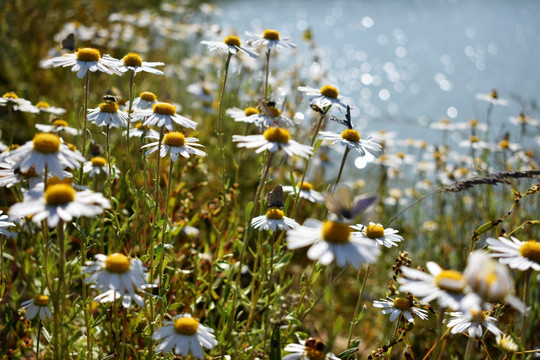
(493, 94)
(232, 41)
(108, 107)
(88, 54)
(41, 300)
(10, 95)
(164, 109)
(336, 232)
(174, 138)
(402, 304)
(132, 59)
(250, 110)
(59, 194)
(42, 105)
(148, 96)
(474, 139)
(58, 123)
(186, 325)
(275, 214)
(117, 263)
(450, 280)
(276, 134)
(269, 34)
(329, 91)
(351, 134)
(473, 122)
(46, 143)
(98, 161)
(305, 186)
(374, 231)
(504, 144)
(530, 250)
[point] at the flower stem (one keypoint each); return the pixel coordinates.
(469, 353)
(220, 129)
(347, 150)
(85, 111)
(130, 106)
(60, 296)
(267, 72)
(37, 339)
(10, 115)
(358, 304)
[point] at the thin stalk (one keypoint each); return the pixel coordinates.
(2, 263)
(330, 288)
(525, 297)
(220, 129)
(469, 353)
(391, 350)
(115, 324)
(109, 162)
(358, 304)
(124, 321)
(165, 222)
(130, 106)
(86, 311)
(10, 119)
(37, 339)
(267, 72)
(342, 166)
(85, 111)
(60, 296)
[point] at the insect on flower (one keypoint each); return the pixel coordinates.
(274, 199)
(342, 202)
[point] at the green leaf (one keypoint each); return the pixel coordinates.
(354, 348)
(361, 315)
(249, 206)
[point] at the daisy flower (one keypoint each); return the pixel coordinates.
(39, 304)
(44, 107)
(231, 44)
(474, 142)
(146, 100)
(384, 237)
(492, 97)
(140, 130)
(447, 286)
(46, 150)
(273, 139)
(175, 143)
(97, 166)
(272, 220)
(133, 62)
(400, 306)
(323, 97)
(332, 240)
(108, 114)
(271, 116)
(310, 349)
(523, 119)
(4, 224)
(162, 114)
(506, 343)
(472, 322)
(17, 103)
(351, 139)
(521, 255)
(84, 60)
(57, 127)
(248, 115)
(444, 125)
(10, 177)
(59, 202)
(185, 335)
(306, 192)
(269, 38)
(117, 277)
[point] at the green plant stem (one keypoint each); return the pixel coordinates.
(469, 352)
(86, 311)
(109, 162)
(358, 304)
(37, 339)
(130, 107)
(342, 166)
(220, 129)
(10, 119)
(60, 296)
(525, 297)
(85, 111)
(164, 227)
(391, 350)
(267, 72)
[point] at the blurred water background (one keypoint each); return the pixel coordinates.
(405, 64)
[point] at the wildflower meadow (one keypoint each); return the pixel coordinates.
(171, 188)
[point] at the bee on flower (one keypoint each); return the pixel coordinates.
(401, 306)
(84, 60)
(38, 305)
(492, 98)
(108, 114)
(185, 335)
(230, 44)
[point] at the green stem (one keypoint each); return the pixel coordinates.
(358, 304)
(525, 297)
(37, 339)
(469, 353)
(342, 166)
(60, 296)
(267, 72)
(130, 107)
(10, 119)
(85, 111)
(220, 129)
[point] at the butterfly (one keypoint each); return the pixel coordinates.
(347, 121)
(342, 202)
(68, 43)
(274, 199)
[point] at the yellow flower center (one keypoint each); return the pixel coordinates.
(477, 315)
(72, 147)
(132, 59)
(450, 280)
(474, 139)
(59, 194)
(58, 123)
(148, 96)
(402, 304)
(522, 118)
(232, 41)
(250, 110)
(473, 122)
(336, 232)
(10, 95)
(174, 138)
(374, 231)
(274, 111)
(108, 107)
(140, 126)
(42, 105)
(276, 134)
(269, 34)
(315, 349)
(164, 109)
(401, 155)
(46, 143)
(88, 54)
(423, 144)
(41, 300)
(351, 134)
(275, 214)
(329, 91)
(463, 170)
(305, 186)
(117, 263)
(505, 144)
(55, 181)
(186, 326)
(98, 161)
(493, 94)
(530, 250)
